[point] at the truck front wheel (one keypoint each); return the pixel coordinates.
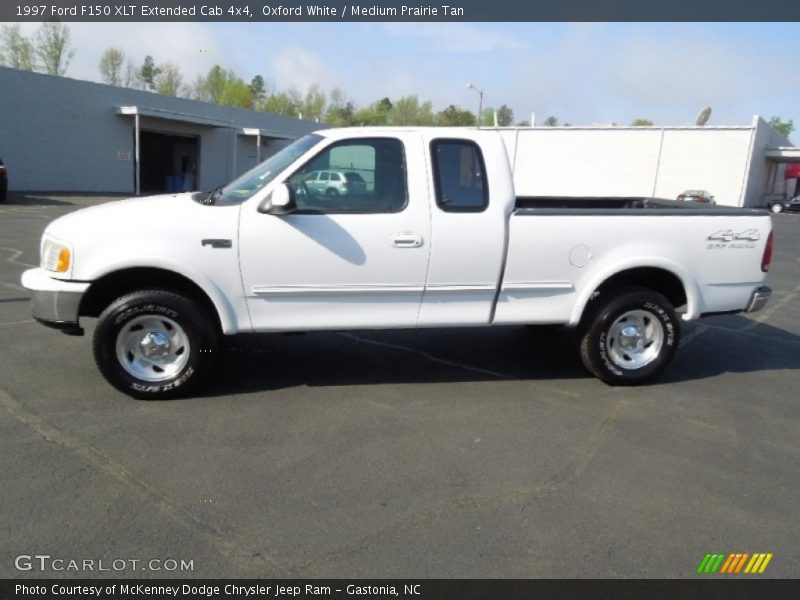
(154, 344)
(630, 336)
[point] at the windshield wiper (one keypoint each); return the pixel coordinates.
(212, 196)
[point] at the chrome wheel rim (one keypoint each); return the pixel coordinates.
(776, 208)
(635, 339)
(152, 348)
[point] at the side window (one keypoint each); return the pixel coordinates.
(369, 176)
(323, 177)
(459, 176)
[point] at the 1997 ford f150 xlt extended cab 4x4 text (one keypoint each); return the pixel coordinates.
(434, 237)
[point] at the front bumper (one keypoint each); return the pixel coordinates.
(55, 302)
(759, 298)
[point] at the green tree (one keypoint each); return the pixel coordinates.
(341, 111)
(111, 64)
(130, 78)
(281, 103)
(454, 116)
(148, 73)
(53, 48)
(258, 89)
(642, 123)
(785, 128)
(408, 111)
(198, 89)
(487, 119)
(551, 122)
(524, 124)
(505, 116)
(169, 79)
(383, 110)
(215, 83)
(236, 93)
(366, 116)
(313, 104)
(377, 113)
(17, 50)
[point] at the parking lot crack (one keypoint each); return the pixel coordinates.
(223, 542)
(14, 258)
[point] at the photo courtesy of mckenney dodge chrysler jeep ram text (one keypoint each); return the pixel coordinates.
(429, 234)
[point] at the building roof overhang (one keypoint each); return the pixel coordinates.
(788, 154)
(201, 120)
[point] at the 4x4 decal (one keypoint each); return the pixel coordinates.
(727, 238)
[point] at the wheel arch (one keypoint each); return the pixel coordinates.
(664, 277)
(110, 286)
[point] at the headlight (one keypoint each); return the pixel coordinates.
(56, 256)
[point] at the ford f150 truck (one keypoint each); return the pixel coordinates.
(432, 236)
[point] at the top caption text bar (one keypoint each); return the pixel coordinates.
(393, 10)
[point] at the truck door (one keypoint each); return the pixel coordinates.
(469, 217)
(356, 257)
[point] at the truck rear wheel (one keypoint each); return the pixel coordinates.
(630, 336)
(154, 344)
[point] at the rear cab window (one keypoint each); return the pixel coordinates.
(459, 176)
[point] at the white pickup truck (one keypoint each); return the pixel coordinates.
(422, 228)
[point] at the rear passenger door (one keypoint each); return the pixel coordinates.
(469, 231)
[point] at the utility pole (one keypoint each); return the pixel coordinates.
(480, 101)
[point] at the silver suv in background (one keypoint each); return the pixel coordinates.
(334, 183)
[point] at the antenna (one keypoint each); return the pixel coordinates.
(703, 116)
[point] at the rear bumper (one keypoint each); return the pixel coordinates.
(759, 298)
(55, 303)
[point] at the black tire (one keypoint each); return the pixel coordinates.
(330, 192)
(608, 313)
(198, 333)
(776, 207)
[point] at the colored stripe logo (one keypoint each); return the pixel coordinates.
(734, 563)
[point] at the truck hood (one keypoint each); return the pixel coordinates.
(159, 231)
(121, 216)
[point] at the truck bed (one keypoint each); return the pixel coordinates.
(561, 249)
(631, 205)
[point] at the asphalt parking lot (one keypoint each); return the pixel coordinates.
(449, 453)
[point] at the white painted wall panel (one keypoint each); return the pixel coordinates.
(712, 160)
(586, 162)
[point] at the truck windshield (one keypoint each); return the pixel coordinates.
(243, 187)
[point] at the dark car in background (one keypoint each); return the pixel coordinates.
(696, 196)
(793, 204)
(3, 181)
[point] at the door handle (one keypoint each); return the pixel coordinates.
(406, 240)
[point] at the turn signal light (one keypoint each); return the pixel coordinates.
(63, 261)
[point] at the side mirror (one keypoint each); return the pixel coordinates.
(279, 202)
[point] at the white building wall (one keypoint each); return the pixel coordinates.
(634, 161)
(710, 159)
(586, 162)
